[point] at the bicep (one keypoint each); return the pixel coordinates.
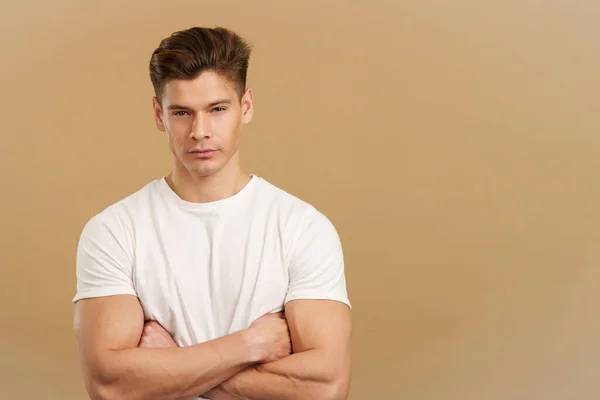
(103, 325)
(321, 325)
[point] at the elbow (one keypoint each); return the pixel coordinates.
(334, 383)
(104, 383)
(99, 390)
(334, 390)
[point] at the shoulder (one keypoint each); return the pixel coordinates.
(292, 209)
(301, 219)
(285, 201)
(118, 219)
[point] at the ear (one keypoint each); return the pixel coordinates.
(158, 114)
(247, 106)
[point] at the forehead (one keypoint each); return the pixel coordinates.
(207, 88)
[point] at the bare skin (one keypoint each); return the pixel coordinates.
(155, 336)
(109, 330)
(296, 376)
(204, 114)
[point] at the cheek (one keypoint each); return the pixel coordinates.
(228, 130)
(176, 134)
(178, 126)
(176, 143)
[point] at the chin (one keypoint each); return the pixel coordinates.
(203, 170)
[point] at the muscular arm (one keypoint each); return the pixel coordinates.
(318, 369)
(108, 330)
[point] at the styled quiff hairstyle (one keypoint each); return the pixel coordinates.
(186, 54)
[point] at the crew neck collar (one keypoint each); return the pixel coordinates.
(170, 194)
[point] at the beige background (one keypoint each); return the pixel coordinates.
(455, 145)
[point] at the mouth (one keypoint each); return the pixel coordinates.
(202, 153)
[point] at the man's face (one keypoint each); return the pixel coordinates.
(203, 120)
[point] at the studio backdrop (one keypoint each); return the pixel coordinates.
(455, 145)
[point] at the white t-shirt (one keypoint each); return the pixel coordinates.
(206, 270)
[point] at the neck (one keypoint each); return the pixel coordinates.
(205, 189)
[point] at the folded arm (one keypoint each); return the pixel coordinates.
(320, 366)
(109, 324)
(108, 330)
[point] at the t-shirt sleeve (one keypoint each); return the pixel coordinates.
(104, 262)
(316, 262)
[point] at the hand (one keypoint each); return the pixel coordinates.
(273, 336)
(155, 336)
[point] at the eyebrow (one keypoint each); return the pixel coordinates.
(215, 103)
(212, 104)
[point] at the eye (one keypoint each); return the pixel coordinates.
(219, 109)
(180, 113)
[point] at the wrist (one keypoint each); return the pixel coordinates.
(254, 344)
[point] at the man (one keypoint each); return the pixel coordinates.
(210, 282)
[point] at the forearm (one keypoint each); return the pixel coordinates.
(171, 373)
(305, 375)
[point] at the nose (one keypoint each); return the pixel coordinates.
(200, 128)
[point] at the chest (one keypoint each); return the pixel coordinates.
(206, 279)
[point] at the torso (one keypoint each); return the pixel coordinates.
(205, 271)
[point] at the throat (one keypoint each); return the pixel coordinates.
(207, 189)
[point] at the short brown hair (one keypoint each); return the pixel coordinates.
(186, 54)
